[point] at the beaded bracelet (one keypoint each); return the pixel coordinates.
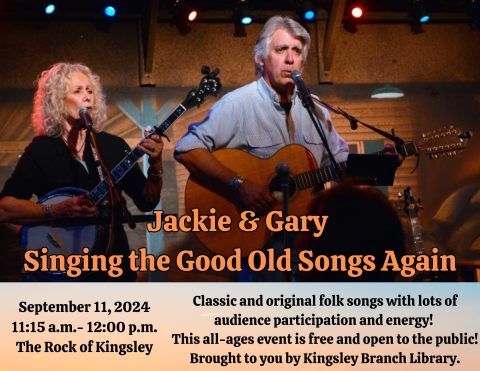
(48, 213)
(156, 175)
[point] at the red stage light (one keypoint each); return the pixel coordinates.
(357, 12)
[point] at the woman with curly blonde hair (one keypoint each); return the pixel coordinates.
(65, 154)
(49, 103)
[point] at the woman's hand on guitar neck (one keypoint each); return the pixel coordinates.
(74, 207)
(252, 196)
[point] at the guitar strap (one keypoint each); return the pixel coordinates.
(99, 169)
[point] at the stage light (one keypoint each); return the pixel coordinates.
(182, 12)
(306, 10)
(356, 12)
(50, 9)
(419, 13)
(110, 11)
(242, 14)
(356, 9)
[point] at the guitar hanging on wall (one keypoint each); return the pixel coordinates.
(411, 208)
(69, 240)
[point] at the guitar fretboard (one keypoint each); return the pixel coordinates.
(318, 176)
(101, 190)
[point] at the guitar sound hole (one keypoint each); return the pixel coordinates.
(275, 188)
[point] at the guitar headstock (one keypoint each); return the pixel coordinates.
(411, 206)
(449, 141)
(209, 85)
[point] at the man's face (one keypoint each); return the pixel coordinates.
(284, 55)
(79, 95)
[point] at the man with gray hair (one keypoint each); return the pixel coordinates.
(260, 118)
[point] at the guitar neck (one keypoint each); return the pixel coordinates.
(417, 236)
(326, 174)
(318, 176)
(119, 171)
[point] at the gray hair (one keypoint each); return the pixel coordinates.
(49, 111)
(277, 23)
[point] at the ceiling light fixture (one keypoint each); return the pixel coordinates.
(387, 92)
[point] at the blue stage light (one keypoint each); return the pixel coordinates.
(49, 9)
(110, 11)
(242, 14)
(425, 19)
(306, 10)
(419, 12)
(309, 14)
(247, 20)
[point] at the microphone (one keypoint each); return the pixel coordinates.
(297, 77)
(282, 169)
(84, 114)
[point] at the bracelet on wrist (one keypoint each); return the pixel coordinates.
(155, 174)
(236, 182)
(48, 213)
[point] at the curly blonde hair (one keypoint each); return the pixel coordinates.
(49, 111)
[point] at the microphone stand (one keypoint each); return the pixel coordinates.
(284, 172)
(117, 197)
(310, 107)
(404, 148)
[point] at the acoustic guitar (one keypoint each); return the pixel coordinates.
(305, 176)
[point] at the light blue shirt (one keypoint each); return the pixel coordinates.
(251, 118)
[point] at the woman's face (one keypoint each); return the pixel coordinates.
(79, 95)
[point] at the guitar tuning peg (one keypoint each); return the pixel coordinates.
(424, 135)
(451, 126)
(454, 153)
(435, 156)
(461, 151)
